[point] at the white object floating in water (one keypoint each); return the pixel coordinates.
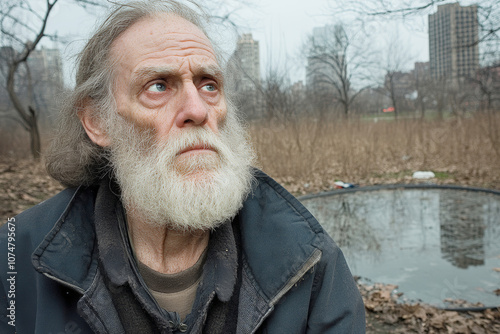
(423, 175)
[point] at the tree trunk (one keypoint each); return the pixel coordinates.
(440, 107)
(28, 117)
(35, 141)
(422, 108)
(394, 100)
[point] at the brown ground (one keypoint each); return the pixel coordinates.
(24, 183)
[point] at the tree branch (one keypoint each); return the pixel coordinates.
(11, 36)
(16, 21)
(405, 10)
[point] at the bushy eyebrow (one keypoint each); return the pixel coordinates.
(211, 70)
(148, 73)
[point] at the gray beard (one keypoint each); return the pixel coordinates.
(199, 192)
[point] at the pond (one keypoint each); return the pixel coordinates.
(436, 243)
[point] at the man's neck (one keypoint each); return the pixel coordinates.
(165, 250)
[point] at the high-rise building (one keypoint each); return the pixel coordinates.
(246, 59)
(325, 57)
(46, 68)
(421, 71)
(453, 37)
(244, 67)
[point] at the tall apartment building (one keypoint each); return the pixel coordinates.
(324, 46)
(47, 65)
(246, 59)
(46, 70)
(453, 36)
(421, 70)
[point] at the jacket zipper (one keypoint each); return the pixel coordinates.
(311, 262)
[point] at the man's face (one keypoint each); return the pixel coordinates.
(167, 81)
(179, 159)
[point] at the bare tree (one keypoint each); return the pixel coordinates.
(279, 99)
(397, 83)
(390, 87)
(423, 81)
(23, 27)
(488, 87)
(270, 98)
(335, 63)
(439, 92)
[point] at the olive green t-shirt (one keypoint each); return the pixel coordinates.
(174, 292)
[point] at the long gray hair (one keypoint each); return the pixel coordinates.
(73, 159)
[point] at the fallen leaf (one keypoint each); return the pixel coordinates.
(29, 198)
(476, 329)
(421, 314)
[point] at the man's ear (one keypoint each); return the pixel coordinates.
(93, 126)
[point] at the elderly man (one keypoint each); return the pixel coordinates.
(165, 227)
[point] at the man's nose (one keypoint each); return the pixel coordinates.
(193, 110)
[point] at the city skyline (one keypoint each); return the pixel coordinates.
(280, 28)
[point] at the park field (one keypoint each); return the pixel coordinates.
(310, 155)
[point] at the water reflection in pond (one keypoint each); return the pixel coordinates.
(434, 243)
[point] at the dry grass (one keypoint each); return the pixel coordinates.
(308, 155)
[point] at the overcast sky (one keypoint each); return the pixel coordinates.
(280, 26)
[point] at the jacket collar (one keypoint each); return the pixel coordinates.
(72, 239)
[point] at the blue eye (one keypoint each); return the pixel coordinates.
(157, 87)
(210, 88)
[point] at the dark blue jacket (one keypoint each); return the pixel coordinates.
(294, 279)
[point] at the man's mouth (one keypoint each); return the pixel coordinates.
(200, 148)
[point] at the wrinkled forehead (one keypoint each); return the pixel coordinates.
(162, 35)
